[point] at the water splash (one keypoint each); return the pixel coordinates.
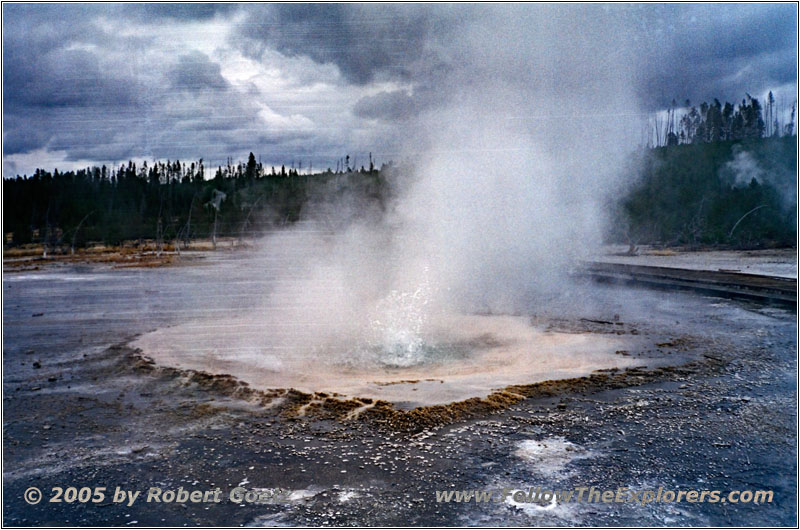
(398, 333)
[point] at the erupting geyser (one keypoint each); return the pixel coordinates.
(324, 328)
(407, 303)
(499, 194)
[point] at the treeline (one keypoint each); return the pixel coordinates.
(737, 193)
(715, 122)
(719, 175)
(167, 201)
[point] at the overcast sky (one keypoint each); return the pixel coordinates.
(94, 83)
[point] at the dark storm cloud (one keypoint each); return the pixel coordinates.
(363, 41)
(22, 13)
(691, 51)
(178, 11)
(395, 105)
(73, 84)
(195, 71)
(67, 78)
(108, 81)
(55, 91)
(699, 52)
(23, 134)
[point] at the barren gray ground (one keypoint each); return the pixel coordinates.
(769, 262)
(76, 413)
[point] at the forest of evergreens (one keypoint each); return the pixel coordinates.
(718, 175)
(167, 201)
(737, 193)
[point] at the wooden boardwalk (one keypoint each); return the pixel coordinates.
(729, 284)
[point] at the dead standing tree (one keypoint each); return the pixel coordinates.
(730, 234)
(159, 228)
(75, 235)
(247, 219)
(46, 238)
(187, 229)
(216, 201)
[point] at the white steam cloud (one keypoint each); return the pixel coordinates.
(743, 169)
(501, 193)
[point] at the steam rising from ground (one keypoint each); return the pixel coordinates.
(743, 168)
(506, 170)
(513, 149)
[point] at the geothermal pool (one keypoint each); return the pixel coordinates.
(358, 315)
(459, 357)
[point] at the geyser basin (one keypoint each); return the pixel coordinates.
(463, 356)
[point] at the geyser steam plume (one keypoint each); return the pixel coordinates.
(513, 148)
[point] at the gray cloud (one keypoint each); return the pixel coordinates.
(176, 11)
(67, 89)
(100, 82)
(195, 71)
(363, 41)
(691, 51)
(395, 105)
(703, 51)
